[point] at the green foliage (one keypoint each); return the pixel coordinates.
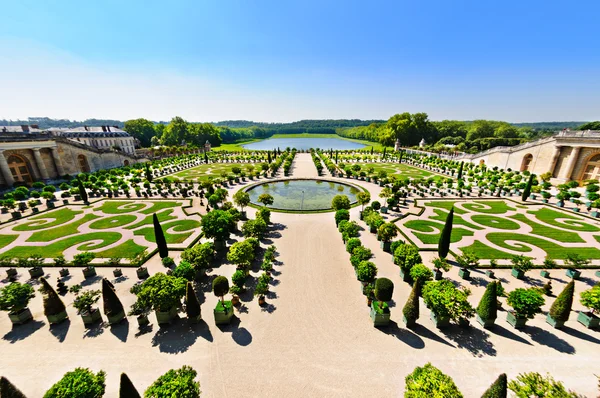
(254, 228)
(200, 256)
(384, 288)
(168, 262)
(521, 263)
(241, 254)
(82, 191)
(411, 308)
(83, 259)
(350, 228)
(8, 390)
(220, 286)
(526, 302)
(488, 305)
(444, 243)
(342, 214)
(178, 383)
(53, 305)
(192, 305)
(159, 236)
(185, 270)
(428, 381)
(264, 214)
(217, 224)
(112, 304)
(561, 308)
(406, 256)
(421, 273)
(387, 231)
(360, 254)
(366, 271)
(85, 301)
(467, 260)
(591, 298)
(363, 197)
(265, 199)
(239, 278)
(15, 296)
(498, 389)
(79, 383)
(340, 202)
(447, 301)
(242, 199)
(534, 384)
(441, 263)
(160, 292)
(352, 244)
(126, 388)
(576, 260)
(527, 190)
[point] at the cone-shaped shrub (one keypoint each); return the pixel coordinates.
(488, 306)
(127, 389)
(159, 236)
(561, 308)
(112, 304)
(82, 191)
(411, 308)
(8, 390)
(460, 171)
(53, 305)
(192, 305)
(527, 190)
(444, 243)
(148, 172)
(497, 389)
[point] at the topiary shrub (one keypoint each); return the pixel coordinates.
(199, 256)
(340, 202)
(366, 271)
(429, 381)
(220, 286)
(411, 308)
(406, 256)
(444, 242)
(53, 305)
(421, 273)
(185, 270)
(488, 305)
(175, 383)
(360, 254)
(526, 302)
(342, 215)
(110, 300)
(352, 244)
(160, 292)
(498, 389)
(8, 390)
(192, 305)
(384, 288)
(127, 389)
(534, 384)
(80, 383)
(561, 307)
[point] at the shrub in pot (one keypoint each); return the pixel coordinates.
(429, 381)
(192, 305)
(201, 257)
(113, 308)
(498, 389)
(590, 299)
(386, 233)
(175, 383)
(15, 298)
(79, 383)
(380, 311)
(83, 260)
(447, 303)
(534, 384)
(526, 304)
(548, 264)
(406, 256)
(35, 264)
(521, 264)
(366, 272)
(573, 262)
(439, 265)
(410, 312)
(54, 308)
(162, 293)
(487, 310)
(262, 288)
(224, 309)
(467, 261)
(341, 215)
(352, 244)
(84, 303)
(561, 308)
(360, 254)
(420, 274)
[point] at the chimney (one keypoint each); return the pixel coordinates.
(108, 128)
(85, 128)
(103, 128)
(25, 128)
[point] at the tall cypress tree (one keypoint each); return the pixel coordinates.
(205, 158)
(82, 191)
(127, 389)
(561, 308)
(112, 304)
(411, 308)
(401, 154)
(527, 190)
(460, 171)
(336, 156)
(488, 306)
(444, 243)
(148, 172)
(159, 236)
(384, 150)
(269, 157)
(53, 305)
(8, 390)
(498, 389)
(192, 305)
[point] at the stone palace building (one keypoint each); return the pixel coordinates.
(29, 154)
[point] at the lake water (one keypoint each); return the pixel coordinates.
(302, 194)
(303, 143)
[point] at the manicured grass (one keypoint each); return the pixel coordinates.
(158, 206)
(162, 217)
(184, 228)
(488, 207)
(444, 204)
(6, 240)
(549, 232)
(62, 231)
(235, 146)
(456, 220)
(553, 250)
(57, 248)
(495, 222)
(204, 172)
(484, 251)
(113, 222)
(431, 226)
(551, 217)
(127, 249)
(396, 169)
(123, 207)
(60, 216)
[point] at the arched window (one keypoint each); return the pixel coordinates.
(84, 166)
(592, 169)
(19, 168)
(527, 159)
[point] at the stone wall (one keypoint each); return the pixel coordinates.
(96, 160)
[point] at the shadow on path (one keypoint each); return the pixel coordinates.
(503, 332)
(428, 334)
(474, 340)
(546, 338)
(60, 331)
(239, 334)
(21, 332)
(580, 335)
(404, 335)
(120, 330)
(179, 336)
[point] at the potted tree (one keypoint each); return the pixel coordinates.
(341, 215)
(218, 225)
(548, 264)
(366, 272)
(223, 311)
(14, 298)
(113, 308)
(192, 305)
(439, 265)
(262, 288)
(8, 262)
(387, 232)
(590, 299)
(140, 311)
(526, 304)
(137, 261)
(487, 310)
(35, 263)
(573, 262)
(521, 264)
(406, 256)
(162, 293)
(80, 382)
(561, 308)
(84, 303)
(54, 308)
(467, 261)
(447, 303)
(410, 312)
(83, 260)
(238, 279)
(493, 265)
(363, 198)
(380, 310)
(200, 256)
(241, 254)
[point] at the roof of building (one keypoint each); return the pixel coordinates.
(21, 129)
(92, 132)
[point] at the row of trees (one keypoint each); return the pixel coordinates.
(178, 131)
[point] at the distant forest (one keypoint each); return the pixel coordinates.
(46, 122)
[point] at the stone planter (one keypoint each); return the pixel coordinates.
(438, 321)
(20, 317)
(65, 202)
(36, 272)
(379, 319)
(405, 276)
(554, 323)
(595, 213)
(437, 275)
(588, 320)
(142, 272)
(219, 245)
(89, 272)
(464, 273)
(166, 317)
(142, 321)
(57, 318)
(116, 318)
(515, 321)
(117, 272)
(409, 324)
(597, 273)
(11, 272)
(384, 210)
(573, 273)
(576, 209)
(490, 273)
(545, 274)
(487, 323)
(64, 272)
(89, 318)
(386, 246)
(517, 273)
(560, 203)
(544, 200)
(223, 312)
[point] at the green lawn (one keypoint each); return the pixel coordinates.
(61, 217)
(6, 240)
(488, 206)
(485, 252)
(57, 248)
(184, 228)
(113, 222)
(162, 217)
(549, 232)
(441, 215)
(431, 226)
(204, 172)
(121, 207)
(58, 232)
(396, 169)
(495, 222)
(573, 223)
(127, 249)
(553, 251)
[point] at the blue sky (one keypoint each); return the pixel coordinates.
(283, 61)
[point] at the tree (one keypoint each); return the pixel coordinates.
(159, 235)
(265, 199)
(185, 270)
(406, 256)
(340, 202)
(534, 384)
(591, 298)
(178, 383)
(217, 224)
(526, 302)
(200, 256)
(141, 129)
(521, 263)
(148, 172)
(488, 305)
(82, 191)
(176, 132)
(366, 271)
(110, 300)
(467, 260)
(192, 305)
(444, 242)
(460, 171)
(127, 389)
(15, 297)
(342, 215)
(53, 305)
(241, 199)
(8, 390)
(384, 288)
(446, 301)
(220, 287)
(387, 231)
(411, 308)
(429, 381)
(254, 228)
(498, 389)
(241, 254)
(527, 190)
(363, 197)
(561, 308)
(160, 292)
(80, 383)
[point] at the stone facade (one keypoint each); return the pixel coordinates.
(568, 155)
